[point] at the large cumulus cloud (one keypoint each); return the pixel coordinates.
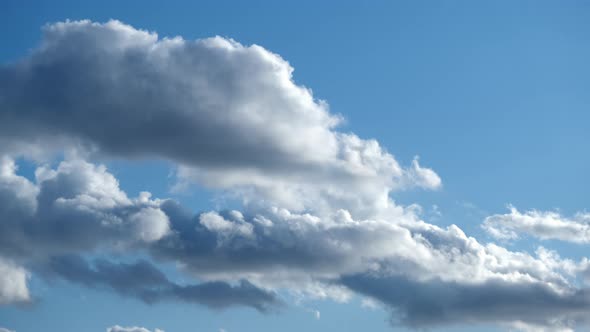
(526, 306)
(243, 258)
(13, 283)
(425, 274)
(78, 208)
(229, 114)
(317, 218)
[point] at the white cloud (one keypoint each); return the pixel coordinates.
(328, 257)
(422, 177)
(526, 327)
(226, 228)
(118, 328)
(327, 248)
(150, 224)
(545, 225)
(13, 283)
(230, 115)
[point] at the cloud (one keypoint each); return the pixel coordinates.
(216, 223)
(229, 115)
(77, 206)
(242, 258)
(288, 244)
(5, 330)
(539, 224)
(144, 281)
(426, 275)
(317, 220)
(435, 303)
(13, 283)
(525, 327)
(422, 177)
(235, 253)
(118, 328)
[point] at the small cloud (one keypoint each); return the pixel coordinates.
(369, 303)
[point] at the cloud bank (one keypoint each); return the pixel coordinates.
(317, 219)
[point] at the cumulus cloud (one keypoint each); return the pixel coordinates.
(317, 219)
(545, 225)
(230, 115)
(5, 330)
(457, 278)
(287, 244)
(77, 206)
(243, 257)
(435, 303)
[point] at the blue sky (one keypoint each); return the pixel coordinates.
(492, 97)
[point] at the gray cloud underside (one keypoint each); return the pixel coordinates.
(242, 258)
(144, 281)
(434, 303)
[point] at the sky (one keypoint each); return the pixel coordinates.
(294, 166)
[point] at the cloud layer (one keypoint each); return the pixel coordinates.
(317, 219)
